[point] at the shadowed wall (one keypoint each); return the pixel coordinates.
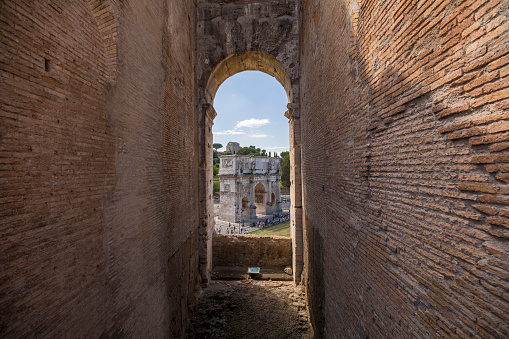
(404, 128)
(99, 208)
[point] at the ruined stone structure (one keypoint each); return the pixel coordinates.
(249, 187)
(232, 147)
(399, 132)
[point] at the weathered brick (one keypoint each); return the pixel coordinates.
(486, 209)
(499, 221)
(490, 158)
(91, 148)
(499, 147)
(467, 133)
(479, 81)
(454, 127)
(489, 139)
(493, 199)
(495, 248)
(498, 127)
(495, 86)
(453, 110)
(492, 168)
(477, 187)
(493, 97)
(503, 177)
(487, 118)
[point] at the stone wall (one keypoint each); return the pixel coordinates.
(404, 138)
(251, 250)
(98, 183)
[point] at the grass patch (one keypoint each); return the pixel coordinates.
(282, 230)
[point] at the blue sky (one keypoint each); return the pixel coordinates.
(250, 110)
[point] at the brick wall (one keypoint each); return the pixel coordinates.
(98, 183)
(251, 250)
(404, 103)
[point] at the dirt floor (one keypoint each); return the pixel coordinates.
(250, 309)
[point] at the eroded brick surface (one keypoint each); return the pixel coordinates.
(251, 250)
(403, 122)
(98, 185)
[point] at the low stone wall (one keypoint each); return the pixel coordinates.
(251, 250)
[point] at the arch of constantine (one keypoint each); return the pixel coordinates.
(250, 186)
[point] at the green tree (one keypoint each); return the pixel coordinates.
(216, 170)
(283, 154)
(285, 170)
(217, 146)
(251, 150)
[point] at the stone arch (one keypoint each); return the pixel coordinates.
(247, 61)
(244, 208)
(237, 36)
(271, 208)
(260, 198)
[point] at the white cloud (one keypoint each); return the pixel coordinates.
(252, 123)
(249, 123)
(277, 147)
(230, 132)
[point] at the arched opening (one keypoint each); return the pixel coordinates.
(245, 209)
(247, 61)
(236, 63)
(260, 199)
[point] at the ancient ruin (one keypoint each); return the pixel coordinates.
(399, 151)
(232, 147)
(250, 186)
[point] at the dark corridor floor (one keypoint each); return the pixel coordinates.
(250, 309)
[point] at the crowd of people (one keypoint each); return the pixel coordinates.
(233, 229)
(276, 219)
(262, 223)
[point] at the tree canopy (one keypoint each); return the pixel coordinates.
(217, 146)
(251, 150)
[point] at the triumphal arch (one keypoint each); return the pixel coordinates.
(250, 187)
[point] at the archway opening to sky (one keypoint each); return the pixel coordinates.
(251, 107)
